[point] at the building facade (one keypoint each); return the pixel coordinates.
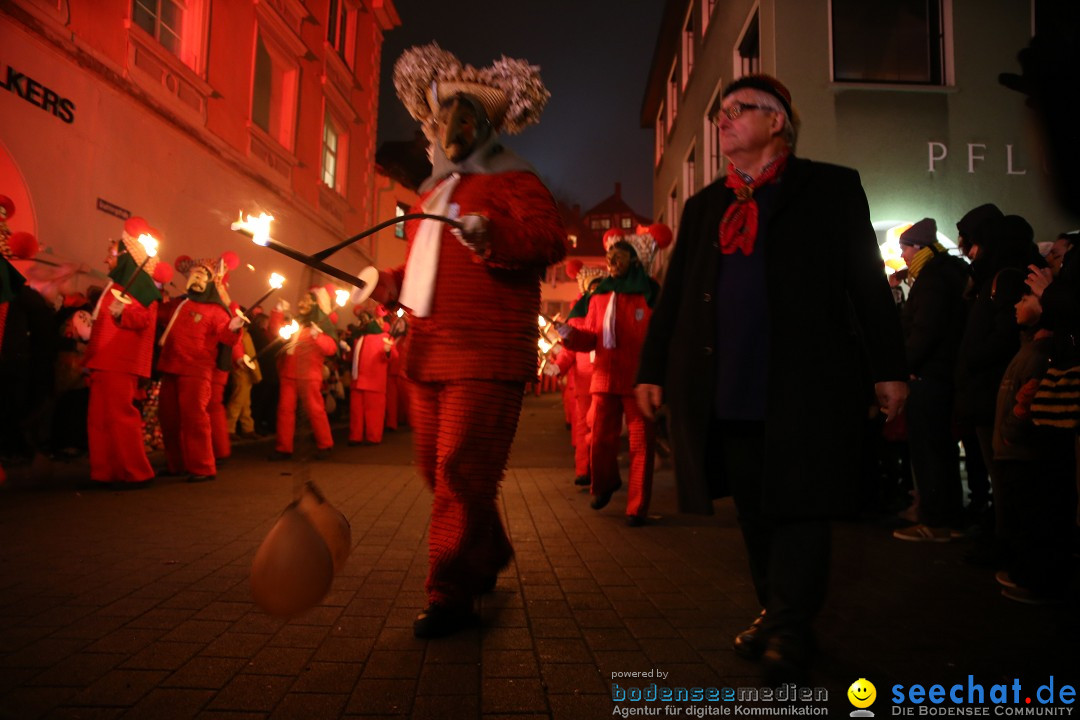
(906, 93)
(188, 112)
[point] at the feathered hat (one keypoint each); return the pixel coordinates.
(510, 91)
(645, 242)
(218, 270)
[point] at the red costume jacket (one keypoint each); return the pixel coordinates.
(614, 368)
(373, 364)
(126, 345)
(190, 348)
(308, 352)
(483, 314)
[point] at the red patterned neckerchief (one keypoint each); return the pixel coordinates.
(738, 228)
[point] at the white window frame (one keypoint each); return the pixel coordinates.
(192, 38)
(710, 144)
(673, 94)
(661, 134)
(673, 206)
(948, 66)
(686, 55)
(689, 171)
(346, 16)
(341, 155)
(736, 56)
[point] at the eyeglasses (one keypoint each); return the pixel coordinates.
(735, 109)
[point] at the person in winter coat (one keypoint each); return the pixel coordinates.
(197, 329)
(933, 322)
(300, 369)
(474, 295)
(769, 387)
(617, 314)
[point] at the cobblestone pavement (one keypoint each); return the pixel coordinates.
(137, 604)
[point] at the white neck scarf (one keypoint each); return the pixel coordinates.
(609, 323)
(356, 355)
(419, 285)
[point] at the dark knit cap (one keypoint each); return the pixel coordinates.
(765, 83)
(920, 234)
(970, 224)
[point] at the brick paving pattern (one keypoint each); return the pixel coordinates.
(137, 605)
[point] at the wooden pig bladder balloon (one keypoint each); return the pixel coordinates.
(328, 521)
(293, 568)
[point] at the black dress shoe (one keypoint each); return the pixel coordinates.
(441, 620)
(787, 660)
(167, 473)
(750, 643)
(200, 478)
(581, 480)
(599, 501)
(123, 486)
(635, 520)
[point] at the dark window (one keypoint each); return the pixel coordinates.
(263, 86)
(888, 41)
(750, 48)
(163, 19)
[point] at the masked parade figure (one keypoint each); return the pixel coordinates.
(120, 352)
(300, 367)
(616, 316)
(199, 333)
(473, 295)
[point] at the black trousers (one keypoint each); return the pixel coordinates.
(789, 557)
(935, 456)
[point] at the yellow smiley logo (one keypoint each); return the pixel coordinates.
(862, 693)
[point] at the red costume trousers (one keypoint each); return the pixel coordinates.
(392, 402)
(582, 433)
(607, 423)
(115, 429)
(312, 400)
(219, 427)
(367, 415)
(463, 432)
(185, 424)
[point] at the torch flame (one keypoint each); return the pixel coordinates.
(149, 244)
(541, 320)
(287, 331)
(544, 345)
(341, 297)
(257, 227)
(276, 281)
(401, 312)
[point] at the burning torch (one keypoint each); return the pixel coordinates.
(150, 245)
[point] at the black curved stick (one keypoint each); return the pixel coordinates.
(323, 254)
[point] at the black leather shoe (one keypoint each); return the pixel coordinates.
(599, 501)
(787, 660)
(167, 473)
(635, 520)
(200, 478)
(123, 486)
(441, 620)
(581, 480)
(750, 643)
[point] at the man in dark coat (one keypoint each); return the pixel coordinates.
(769, 387)
(933, 321)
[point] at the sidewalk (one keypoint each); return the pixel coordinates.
(137, 604)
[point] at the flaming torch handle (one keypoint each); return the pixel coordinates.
(263, 297)
(323, 254)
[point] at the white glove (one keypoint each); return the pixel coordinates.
(315, 330)
(564, 330)
(474, 233)
(344, 345)
(551, 370)
(282, 306)
(116, 308)
(236, 323)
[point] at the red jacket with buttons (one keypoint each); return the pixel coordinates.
(304, 354)
(482, 323)
(126, 345)
(614, 369)
(191, 346)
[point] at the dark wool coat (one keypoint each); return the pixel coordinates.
(933, 317)
(833, 331)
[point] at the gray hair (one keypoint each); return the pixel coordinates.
(790, 132)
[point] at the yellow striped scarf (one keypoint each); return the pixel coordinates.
(923, 257)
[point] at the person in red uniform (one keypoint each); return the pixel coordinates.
(197, 326)
(119, 353)
(397, 386)
(474, 296)
(371, 356)
(300, 367)
(580, 365)
(616, 317)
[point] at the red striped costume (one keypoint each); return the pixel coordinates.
(468, 361)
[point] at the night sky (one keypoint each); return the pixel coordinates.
(594, 57)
